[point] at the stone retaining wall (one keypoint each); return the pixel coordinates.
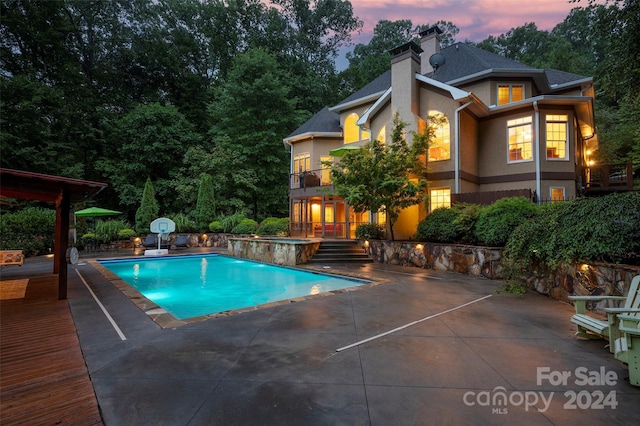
(568, 280)
(274, 251)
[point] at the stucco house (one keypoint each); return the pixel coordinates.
(504, 126)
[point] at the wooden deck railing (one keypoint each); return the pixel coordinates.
(609, 177)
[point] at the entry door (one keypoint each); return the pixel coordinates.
(335, 219)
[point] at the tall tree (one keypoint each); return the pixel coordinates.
(383, 177)
(206, 205)
(252, 113)
(149, 141)
(148, 210)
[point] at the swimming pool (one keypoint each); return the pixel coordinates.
(197, 285)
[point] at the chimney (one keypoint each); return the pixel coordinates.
(405, 64)
(430, 43)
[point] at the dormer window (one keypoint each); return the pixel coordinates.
(508, 93)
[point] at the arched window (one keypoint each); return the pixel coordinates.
(440, 142)
(352, 132)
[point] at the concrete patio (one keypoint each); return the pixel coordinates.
(492, 361)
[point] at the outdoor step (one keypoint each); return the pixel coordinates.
(340, 252)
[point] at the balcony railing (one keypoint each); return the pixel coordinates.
(609, 178)
(310, 178)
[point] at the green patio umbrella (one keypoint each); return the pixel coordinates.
(339, 152)
(96, 211)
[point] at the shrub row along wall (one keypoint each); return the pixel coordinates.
(568, 280)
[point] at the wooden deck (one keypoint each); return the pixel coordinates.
(43, 376)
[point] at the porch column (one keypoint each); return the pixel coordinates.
(63, 209)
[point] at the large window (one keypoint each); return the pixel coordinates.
(325, 176)
(557, 133)
(440, 143)
(439, 198)
(508, 93)
(353, 132)
(519, 140)
(301, 162)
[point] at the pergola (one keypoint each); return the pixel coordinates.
(62, 192)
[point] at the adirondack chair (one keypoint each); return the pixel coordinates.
(627, 346)
(590, 327)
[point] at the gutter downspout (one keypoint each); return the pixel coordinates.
(457, 146)
(537, 150)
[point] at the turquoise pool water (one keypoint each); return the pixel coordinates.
(195, 285)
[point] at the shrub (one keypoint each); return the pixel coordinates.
(440, 226)
(246, 226)
(497, 221)
(126, 233)
(274, 226)
(370, 231)
(230, 222)
(216, 227)
(30, 230)
(184, 223)
(107, 230)
(585, 230)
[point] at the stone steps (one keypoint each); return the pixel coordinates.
(347, 251)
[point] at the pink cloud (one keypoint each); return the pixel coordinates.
(477, 19)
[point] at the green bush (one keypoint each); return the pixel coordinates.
(370, 231)
(108, 230)
(216, 227)
(585, 230)
(184, 224)
(230, 222)
(30, 230)
(440, 226)
(274, 226)
(246, 226)
(497, 221)
(126, 233)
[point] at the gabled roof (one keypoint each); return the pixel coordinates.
(323, 123)
(463, 60)
(371, 91)
(465, 63)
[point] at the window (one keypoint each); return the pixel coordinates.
(508, 93)
(382, 135)
(353, 132)
(519, 140)
(439, 198)
(325, 175)
(557, 194)
(557, 129)
(440, 143)
(301, 163)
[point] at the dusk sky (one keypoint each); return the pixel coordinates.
(476, 19)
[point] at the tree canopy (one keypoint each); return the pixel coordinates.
(383, 177)
(122, 90)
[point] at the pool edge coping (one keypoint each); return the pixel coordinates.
(165, 319)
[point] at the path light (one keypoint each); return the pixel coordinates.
(366, 243)
(419, 246)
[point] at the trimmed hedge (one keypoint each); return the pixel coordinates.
(370, 231)
(30, 230)
(497, 221)
(274, 226)
(246, 226)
